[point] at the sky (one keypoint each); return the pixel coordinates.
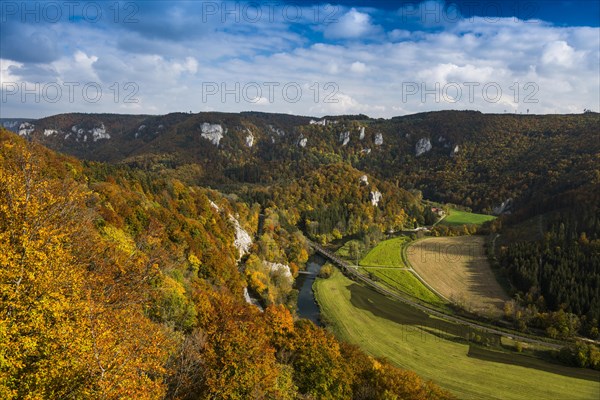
(379, 58)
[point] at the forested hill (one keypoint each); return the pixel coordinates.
(126, 257)
(120, 283)
(345, 175)
(491, 163)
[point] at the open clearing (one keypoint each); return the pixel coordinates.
(386, 254)
(458, 269)
(457, 217)
(384, 263)
(429, 346)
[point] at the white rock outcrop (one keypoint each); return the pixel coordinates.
(50, 132)
(212, 132)
(303, 141)
(503, 207)
(249, 138)
(345, 138)
(139, 131)
(361, 134)
(214, 205)
(26, 129)
(242, 240)
(422, 146)
(322, 122)
(366, 151)
(277, 131)
(99, 133)
(247, 296)
(375, 198)
(378, 139)
(282, 269)
(455, 151)
(250, 300)
(364, 180)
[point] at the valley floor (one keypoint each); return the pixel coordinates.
(435, 349)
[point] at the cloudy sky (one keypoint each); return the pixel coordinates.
(380, 58)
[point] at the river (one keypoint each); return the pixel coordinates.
(307, 305)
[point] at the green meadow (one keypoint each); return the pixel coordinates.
(437, 349)
(457, 217)
(386, 265)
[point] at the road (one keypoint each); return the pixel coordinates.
(457, 320)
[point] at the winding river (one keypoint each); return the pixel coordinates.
(307, 305)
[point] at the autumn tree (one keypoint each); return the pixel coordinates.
(72, 321)
(43, 288)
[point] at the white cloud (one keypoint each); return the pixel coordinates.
(6, 71)
(352, 25)
(345, 104)
(189, 65)
(263, 101)
(399, 34)
(358, 67)
(559, 53)
(333, 68)
(368, 76)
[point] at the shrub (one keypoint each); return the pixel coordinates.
(326, 271)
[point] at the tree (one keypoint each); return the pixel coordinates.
(72, 320)
(238, 360)
(354, 250)
(317, 362)
(43, 288)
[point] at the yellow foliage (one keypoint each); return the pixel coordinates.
(303, 256)
(170, 284)
(71, 320)
(257, 281)
(194, 261)
(122, 240)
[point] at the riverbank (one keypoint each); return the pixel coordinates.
(307, 306)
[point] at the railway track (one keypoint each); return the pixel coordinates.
(351, 271)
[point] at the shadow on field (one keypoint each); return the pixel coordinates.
(531, 362)
(482, 283)
(483, 294)
(369, 300)
(415, 322)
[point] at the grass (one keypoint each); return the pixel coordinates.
(406, 282)
(385, 264)
(435, 350)
(457, 217)
(386, 254)
(458, 269)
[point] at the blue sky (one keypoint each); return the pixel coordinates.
(381, 58)
(565, 13)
